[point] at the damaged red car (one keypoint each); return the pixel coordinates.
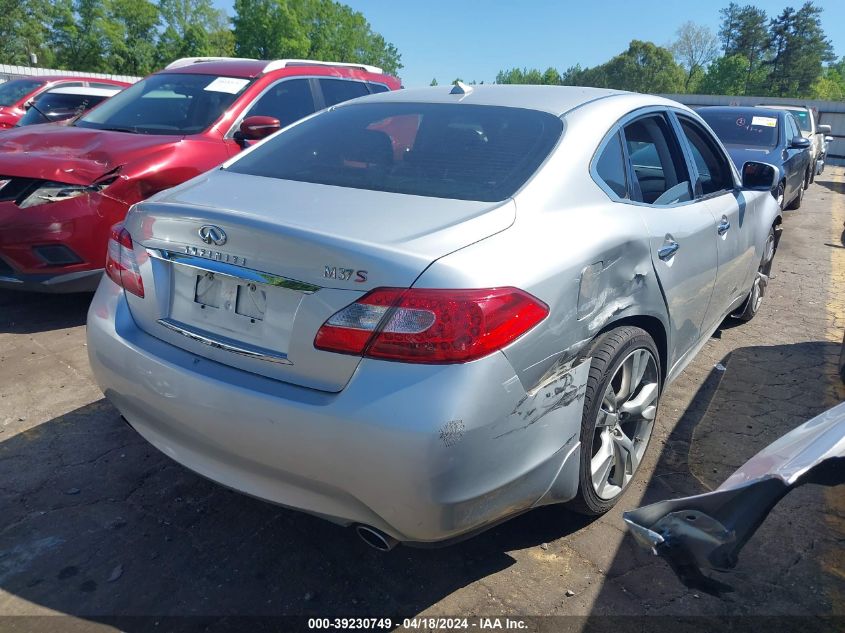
(16, 94)
(62, 188)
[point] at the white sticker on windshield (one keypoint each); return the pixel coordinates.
(763, 121)
(232, 85)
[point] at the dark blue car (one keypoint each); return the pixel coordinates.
(766, 136)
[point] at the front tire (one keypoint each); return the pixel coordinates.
(620, 406)
(799, 198)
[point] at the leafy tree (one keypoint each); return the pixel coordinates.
(433, 82)
(643, 67)
(23, 31)
(317, 29)
(130, 29)
(193, 28)
(79, 34)
(830, 85)
(744, 32)
(799, 47)
(726, 76)
(694, 49)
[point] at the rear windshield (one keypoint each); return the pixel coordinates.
(167, 104)
(466, 152)
(743, 128)
(57, 107)
(803, 118)
(13, 91)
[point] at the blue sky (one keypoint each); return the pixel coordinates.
(474, 39)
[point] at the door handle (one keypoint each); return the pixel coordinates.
(724, 226)
(668, 250)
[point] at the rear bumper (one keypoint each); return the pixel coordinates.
(424, 453)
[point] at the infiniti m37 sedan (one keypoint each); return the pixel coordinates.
(421, 312)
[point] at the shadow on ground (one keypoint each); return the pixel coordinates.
(29, 312)
(786, 569)
(97, 522)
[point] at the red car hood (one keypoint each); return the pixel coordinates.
(74, 155)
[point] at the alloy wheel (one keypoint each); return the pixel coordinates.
(624, 423)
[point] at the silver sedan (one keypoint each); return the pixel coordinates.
(423, 311)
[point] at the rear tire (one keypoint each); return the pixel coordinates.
(620, 406)
(758, 288)
(780, 194)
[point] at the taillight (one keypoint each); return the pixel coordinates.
(121, 264)
(420, 325)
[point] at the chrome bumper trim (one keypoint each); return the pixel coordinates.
(205, 339)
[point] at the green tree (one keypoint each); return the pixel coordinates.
(315, 29)
(744, 32)
(79, 34)
(830, 85)
(799, 48)
(694, 49)
(23, 31)
(193, 28)
(726, 76)
(130, 29)
(643, 67)
(433, 82)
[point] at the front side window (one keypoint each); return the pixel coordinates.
(660, 171)
(714, 171)
(745, 128)
(339, 90)
(13, 91)
(167, 104)
(610, 167)
(466, 152)
(288, 101)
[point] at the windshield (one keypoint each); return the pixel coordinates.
(467, 152)
(13, 91)
(803, 118)
(167, 104)
(743, 128)
(57, 107)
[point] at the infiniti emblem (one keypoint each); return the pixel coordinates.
(211, 234)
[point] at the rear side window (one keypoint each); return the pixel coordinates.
(374, 88)
(792, 127)
(659, 168)
(610, 167)
(339, 90)
(714, 171)
(443, 150)
(288, 100)
(13, 91)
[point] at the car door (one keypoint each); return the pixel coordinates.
(793, 158)
(715, 187)
(681, 229)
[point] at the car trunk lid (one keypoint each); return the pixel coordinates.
(278, 259)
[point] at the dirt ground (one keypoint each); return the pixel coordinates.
(95, 523)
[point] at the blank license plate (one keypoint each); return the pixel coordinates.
(224, 293)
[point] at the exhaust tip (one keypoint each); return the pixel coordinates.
(376, 538)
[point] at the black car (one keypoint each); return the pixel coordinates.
(767, 136)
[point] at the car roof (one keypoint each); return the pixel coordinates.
(786, 107)
(54, 78)
(250, 68)
(555, 100)
(85, 91)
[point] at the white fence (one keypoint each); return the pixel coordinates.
(830, 113)
(8, 71)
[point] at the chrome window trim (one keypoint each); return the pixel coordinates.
(618, 127)
(233, 271)
(219, 343)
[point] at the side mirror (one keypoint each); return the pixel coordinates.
(254, 128)
(828, 139)
(759, 176)
(28, 104)
(824, 129)
(799, 142)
